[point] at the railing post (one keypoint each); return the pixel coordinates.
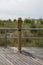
(5, 39)
(19, 34)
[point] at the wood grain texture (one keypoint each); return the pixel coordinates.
(9, 56)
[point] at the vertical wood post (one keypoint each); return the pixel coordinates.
(19, 34)
(5, 39)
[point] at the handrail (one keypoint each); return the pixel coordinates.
(7, 37)
(8, 28)
(22, 28)
(32, 28)
(22, 37)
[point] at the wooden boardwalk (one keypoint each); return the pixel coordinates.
(10, 56)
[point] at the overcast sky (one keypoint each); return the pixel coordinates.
(21, 8)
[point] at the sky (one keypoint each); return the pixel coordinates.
(11, 9)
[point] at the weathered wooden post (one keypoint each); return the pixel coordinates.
(19, 34)
(5, 39)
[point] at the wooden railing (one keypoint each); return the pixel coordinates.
(19, 29)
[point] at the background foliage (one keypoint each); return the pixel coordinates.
(26, 23)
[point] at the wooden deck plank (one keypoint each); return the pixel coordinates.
(18, 60)
(4, 60)
(9, 57)
(26, 60)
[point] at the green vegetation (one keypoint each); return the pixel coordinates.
(27, 23)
